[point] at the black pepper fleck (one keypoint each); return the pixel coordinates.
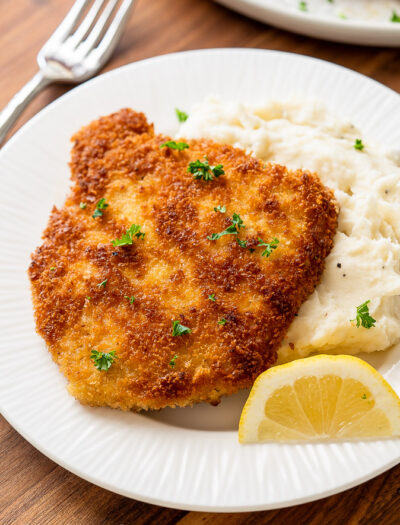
(344, 275)
(339, 265)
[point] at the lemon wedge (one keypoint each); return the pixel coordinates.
(319, 398)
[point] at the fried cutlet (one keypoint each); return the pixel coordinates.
(236, 298)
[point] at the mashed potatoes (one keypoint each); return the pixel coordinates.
(365, 261)
(376, 10)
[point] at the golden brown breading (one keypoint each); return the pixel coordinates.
(174, 269)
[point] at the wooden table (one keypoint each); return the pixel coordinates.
(33, 489)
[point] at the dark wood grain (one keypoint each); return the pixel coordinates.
(33, 489)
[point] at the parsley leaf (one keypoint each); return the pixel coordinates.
(203, 170)
(222, 321)
(218, 170)
(52, 268)
(395, 17)
(242, 244)
(212, 297)
(303, 6)
(103, 284)
(175, 145)
(82, 205)
(359, 145)
(131, 298)
(179, 329)
(269, 246)
(233, 229)
(364, 396)
(100, 206)
(221, 209)
(103, 360)
(363, 318)
(173, 360)
(182, 116)
(237, 221)
(127, 238)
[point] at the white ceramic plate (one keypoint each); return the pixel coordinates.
(327, 27)
(186, 458)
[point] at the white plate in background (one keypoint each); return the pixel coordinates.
(185, 458)
(350, 31)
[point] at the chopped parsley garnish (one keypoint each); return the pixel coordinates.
(203, 170)
(233, 229)
(173, 361)
(179, 329)
(363, 318)
(182, 116)
(364, 396)
(52, 268)
(269, 246)
(212, 297)
(103, 284)
(83, 205)
(88, 298)
(100, 207)
(127, 238)
(237, 221)
(103, 360)
(303, 6)
(222, 321)
(221, 209)
(342, 16)
(358, 144)
(395, 17)
(171, 144)
(131, 298)
(243, 244)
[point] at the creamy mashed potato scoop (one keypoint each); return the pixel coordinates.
(364, 263)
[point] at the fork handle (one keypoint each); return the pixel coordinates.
(19, 102)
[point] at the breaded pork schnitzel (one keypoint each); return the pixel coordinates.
(197, 306)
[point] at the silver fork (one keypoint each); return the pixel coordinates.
(76, 51)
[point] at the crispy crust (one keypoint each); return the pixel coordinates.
(174, 269)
